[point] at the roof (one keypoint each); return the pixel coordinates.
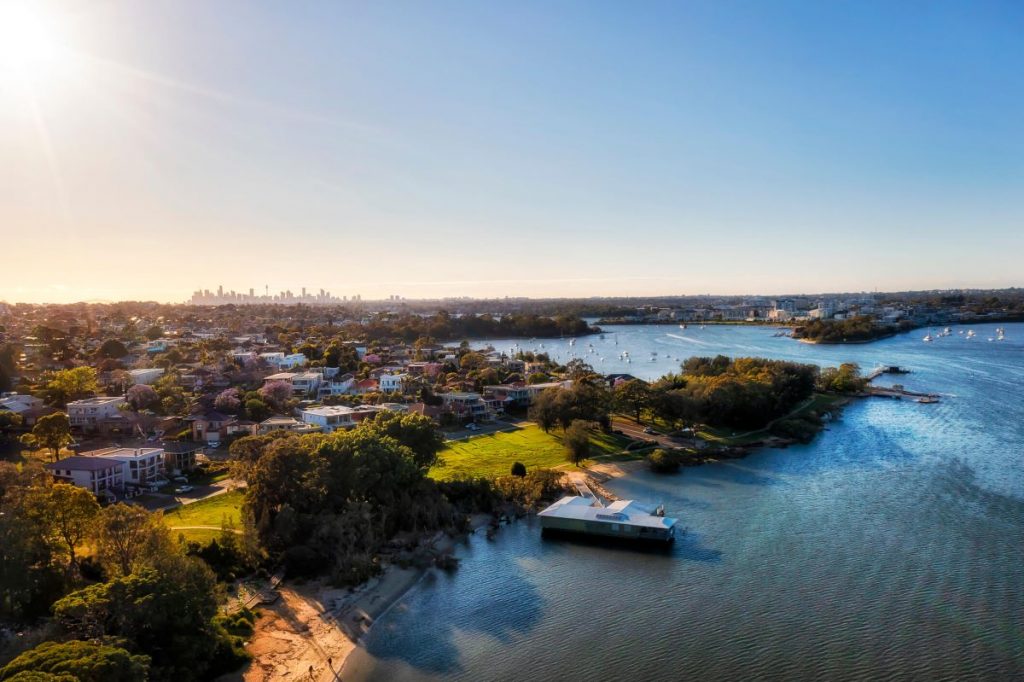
(123, 453)
(97, 400)
(622, 511)
(82, 463)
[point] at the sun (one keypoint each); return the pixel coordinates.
(29, 48)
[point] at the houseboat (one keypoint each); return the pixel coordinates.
(625, 519)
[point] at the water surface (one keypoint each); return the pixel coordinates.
(890, 548)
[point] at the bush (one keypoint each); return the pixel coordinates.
(519, 469)
(664, 461)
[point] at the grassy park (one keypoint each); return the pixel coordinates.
(212, 512)
(494, 454)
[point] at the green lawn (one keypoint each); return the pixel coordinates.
(494, 454)
(210, 512)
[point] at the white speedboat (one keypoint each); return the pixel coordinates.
(927, 338)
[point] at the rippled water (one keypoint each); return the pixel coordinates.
(890, 548)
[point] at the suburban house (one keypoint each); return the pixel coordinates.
(392, 383)
(366, 386)
(303, 383)
(330, 417)
(210, 426)
(282, 361)
(428, 369)
(337, 385)
(95, 474)
(181, 456)
(92, 413)
(146, 376)
(285, 424)
(141, 465)
(28, 406)
(467, 405)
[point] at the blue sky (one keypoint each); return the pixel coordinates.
(542, 149)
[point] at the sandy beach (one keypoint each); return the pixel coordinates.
(312, 628)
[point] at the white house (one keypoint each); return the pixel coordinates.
(330, 417)
(88, 413)
(303, 383)
(147, 375)
(141, 465)
(392, 383)
(95, 474)
(337, 385)
(282, 361)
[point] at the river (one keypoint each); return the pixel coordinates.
(892, 547)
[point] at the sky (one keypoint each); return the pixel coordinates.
(426, 149)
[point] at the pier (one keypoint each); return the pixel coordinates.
(896, 391)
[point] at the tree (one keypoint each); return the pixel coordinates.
(129, 537)
(545, 409)
(154, 333)
(112, 348)
(73, 384)
(663, 461)
(141, 397)
(257, 410)
(70, 512)
(8, 422)
(28, 579)
(632, 396)
(277, 393)
(166, 612)
(51, 431)
(228, 401)
(77, 661)
(519, 469)
(577, 441)
(414, 431)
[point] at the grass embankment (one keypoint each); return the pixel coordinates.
(818, 403)
(493, 454)
(212, 512)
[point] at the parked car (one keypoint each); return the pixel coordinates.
(180, 479)
(648, 430)
(472, 427)
(184, 489)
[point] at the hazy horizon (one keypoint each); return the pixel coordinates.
(454, 149)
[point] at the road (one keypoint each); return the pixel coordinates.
(635, 431)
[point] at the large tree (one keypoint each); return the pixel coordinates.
(632, 396)
(128, 537)
(576, 440)
(165, 612)
(70, 512)
(52, 431)
(73, 384)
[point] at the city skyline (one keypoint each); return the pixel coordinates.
(432, 151)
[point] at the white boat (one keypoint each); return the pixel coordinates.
(970, 333)
(927, 338)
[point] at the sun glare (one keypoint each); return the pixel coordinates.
(29, 49)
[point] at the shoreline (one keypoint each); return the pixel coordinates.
(315, 626)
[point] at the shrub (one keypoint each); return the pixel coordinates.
(664, 461)
(519, 469)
